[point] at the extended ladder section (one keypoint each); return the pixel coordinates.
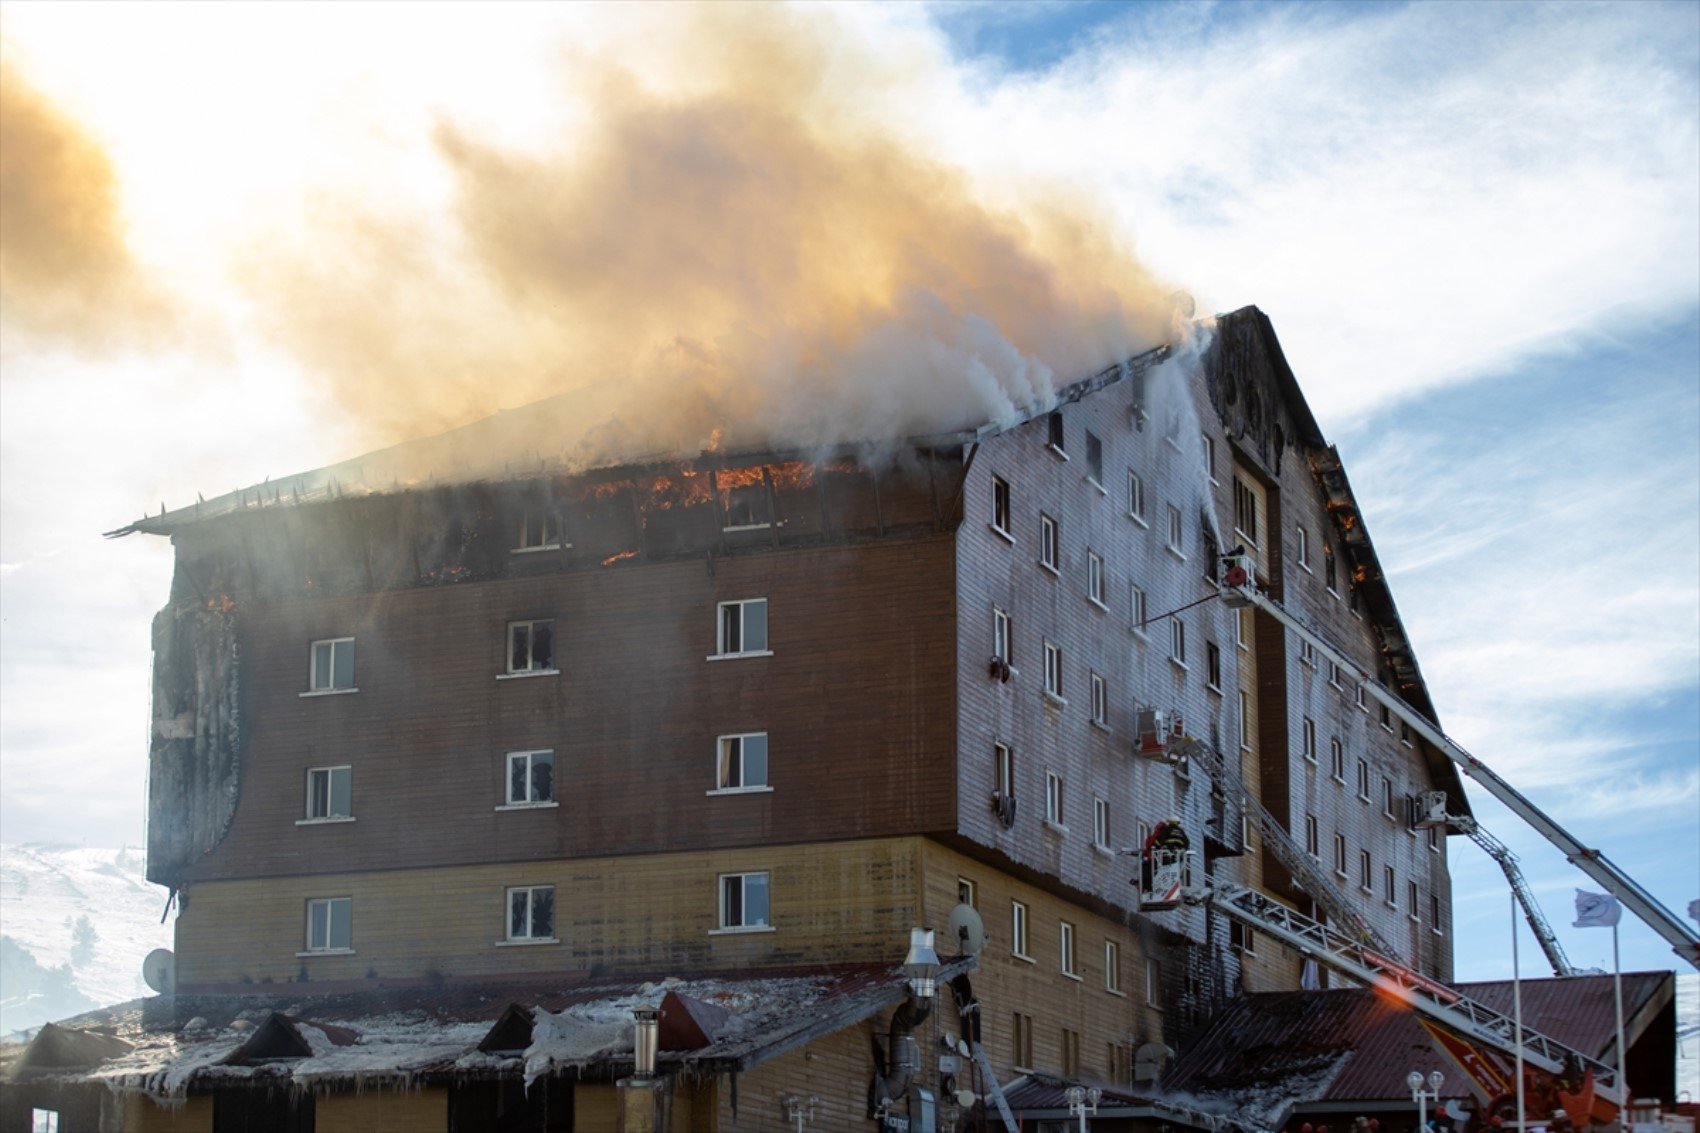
(1240, 590)
(1434, 1000)
(1306, 871)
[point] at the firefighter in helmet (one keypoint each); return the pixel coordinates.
(1168, 834)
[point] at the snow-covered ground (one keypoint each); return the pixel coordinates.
(45, 892)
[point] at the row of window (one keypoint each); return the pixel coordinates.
(1068, 962)
(740, 765)
(740, 631)
(742, 899)
(1366, 875)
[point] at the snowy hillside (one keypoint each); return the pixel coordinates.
(74, 925)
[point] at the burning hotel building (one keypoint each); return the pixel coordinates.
(582, 798)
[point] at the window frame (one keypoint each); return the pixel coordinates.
(967, 893)
(1136, 600)
(1094, 460)
(1389, 886)
(1387, 797)
(329, 771)
(532, 670)
(1050, 544)
(1177, 642)
(1307, 653)
(1245, 720)
(1341, 855)
(1307, 739)
(1100, 701)
(723, 923)
(1054, 672)
(1366, 871)
(1245, 509)
(1067, 962)
(1336, 760)
(1095, 579)
(1054, 801)
(1101, 822)
(1056, 438)
(1136, 498)
(1002, 499)
(1113, 968)
(1209, 447)
(1212, 666)
(549, 531)
(1313, 837)
(1153, 982)
(329, 948)
(1003, 764)
(1434, 915)
(1303, 547)
(1363, 779)
(1003, 635)
(314, 686)
(720, 628)
(1175, 536)
(527, 803)
(528, 937)
(1020, 935)
(743, 787)
(1413, 897)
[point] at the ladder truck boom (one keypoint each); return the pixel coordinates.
(1239, 589)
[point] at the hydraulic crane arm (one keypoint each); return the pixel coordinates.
(1507, 860)
(1239, 589)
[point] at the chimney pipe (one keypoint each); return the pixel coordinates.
(645, 1040)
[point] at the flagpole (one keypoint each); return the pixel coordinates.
(1517, 1011)
(1617, 981)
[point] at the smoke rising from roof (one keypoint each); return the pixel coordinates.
(730, 233)
(66, 273)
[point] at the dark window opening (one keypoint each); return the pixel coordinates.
(1094, 457)
(1055, 426)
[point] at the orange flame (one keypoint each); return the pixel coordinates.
(618, 556)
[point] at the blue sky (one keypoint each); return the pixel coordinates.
(1475, 226)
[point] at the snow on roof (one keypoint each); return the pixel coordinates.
(400, 1035)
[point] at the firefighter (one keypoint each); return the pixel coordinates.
(1168, 834)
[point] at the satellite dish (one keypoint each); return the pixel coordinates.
(967, 930)
(159, 971)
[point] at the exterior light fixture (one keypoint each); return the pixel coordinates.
(1082, 1101)
(645, 1040)
(922, 964)
(799, 1109)
(1421, 1096)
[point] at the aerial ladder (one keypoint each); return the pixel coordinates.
(1239, 589)
(1431, 812)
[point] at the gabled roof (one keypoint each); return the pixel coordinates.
(56, 1049)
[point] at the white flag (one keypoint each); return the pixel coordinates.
(1694, 909)
(1596, 910)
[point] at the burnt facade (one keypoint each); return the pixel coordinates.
(755, 711)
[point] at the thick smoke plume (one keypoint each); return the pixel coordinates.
(727, 238)
(66, 273)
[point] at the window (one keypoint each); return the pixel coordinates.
(1363, 780)
(332, 665)
(1095, 577)
(531, 778)
(1094, 458)
(1245, 511)
(1312, 837)
(1065, 949)
(1054, 432)
(1000, 504)
(1363, 702)
(1213, 666)
(531, 914)
(1340, 854)
(745, 500)
(1336, 760)
(1053, 671)
(1434, 914)
(741, 762)
(1245, 722)
(1112, 967)
(1048, 553)
(1053, 798)
(1153, 982)
(1070, 1053)
(1118, 1063)
(1389, 887)
(1137, 603)
(1101, 822)
(330, 924)
(1366, 871)
(1004, 756)
(1018, 929)
(1136, 496)
(531, 646)
(328, 791)
(1412, 905)
(1210, 458)
(1387, 797)
(743, 901)
(1100, 701)
(1242, 938)
(966, 894)
(1175, 531)
(1001, 636)
(1302, 546)
(539, 530)
(1434, 838)
(1308, 743)
(743, 628)
(1177, 642)
(1307, 653)
(1242, 637)
(1334, 675)
(44, 1120)
(1021, 1052)
(1328, 569)
(1405, 734)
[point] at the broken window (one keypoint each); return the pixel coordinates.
(531, 646)
(531, 913)
(1049, 543)
(741, 763)
(1054, 425)
(531, 777)
(330, 924)
(539, 530)
(1000, 504)
(328, 791)
(746, 506)
(331, 668)
(1328, 569)
(743, 627)
(743, 900)
(1094, 458)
